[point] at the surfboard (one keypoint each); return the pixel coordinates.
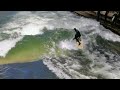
(81, 45)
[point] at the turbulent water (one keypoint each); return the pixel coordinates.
(48, 35)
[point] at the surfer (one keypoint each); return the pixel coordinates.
(77, 36)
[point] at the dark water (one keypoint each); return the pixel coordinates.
(31, 70)
(7, 13)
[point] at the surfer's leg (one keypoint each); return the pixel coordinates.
(79, 43)
(77, 40)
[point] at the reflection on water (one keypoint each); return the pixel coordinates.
(31, 70)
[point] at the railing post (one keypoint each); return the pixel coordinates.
(98, 15)
(106, 14)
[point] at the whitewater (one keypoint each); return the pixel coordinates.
(98, 59)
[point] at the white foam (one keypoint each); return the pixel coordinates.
(67, 44)
(31, 29)
(107, 70)
(68, 70)
(55, 19)
(110, 36)
(59, 72)
(32, 23)
(7, 45)
(60, 20)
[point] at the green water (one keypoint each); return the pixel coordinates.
(34, 47)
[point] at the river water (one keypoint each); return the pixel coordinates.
(38, 44)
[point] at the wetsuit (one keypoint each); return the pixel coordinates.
(77, 36)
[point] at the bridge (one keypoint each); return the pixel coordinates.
(106, 22)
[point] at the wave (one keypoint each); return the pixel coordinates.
(7, 45)
(49, 34)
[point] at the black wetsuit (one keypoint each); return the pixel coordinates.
(77, 36)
